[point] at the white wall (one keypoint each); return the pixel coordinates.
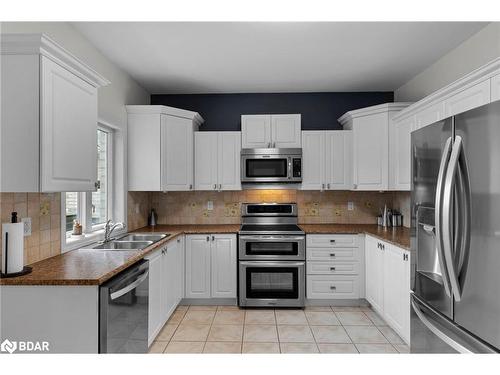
(481, 48)
(123, 90)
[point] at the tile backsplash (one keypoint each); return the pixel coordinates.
(45, 213)
(314, 207)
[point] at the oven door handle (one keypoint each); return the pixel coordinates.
(267, 264)
(283, 238)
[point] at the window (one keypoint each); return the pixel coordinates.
(92, 209)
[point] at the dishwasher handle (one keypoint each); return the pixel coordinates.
(129, 287)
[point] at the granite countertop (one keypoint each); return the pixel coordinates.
(94, 267)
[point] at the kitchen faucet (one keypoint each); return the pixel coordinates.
(109, 228)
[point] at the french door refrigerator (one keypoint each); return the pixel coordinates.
(455, 201)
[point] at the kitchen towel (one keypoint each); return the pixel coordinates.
(16, 247)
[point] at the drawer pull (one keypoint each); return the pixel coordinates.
(333, 287)
(332, 241)
(332, 268)
(332, 254)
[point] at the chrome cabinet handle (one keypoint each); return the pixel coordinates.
(332, 268)
(215, 186)
(178, 240)
(332, 240)
(208, 238)
(322, 186)
(190, 187)
(269, 145)
(333, 287)
(220, 186)
(213, 238)
(328, 186)
(437, 216)
(332, 254)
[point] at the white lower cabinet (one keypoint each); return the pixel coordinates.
(388, 283)
(211, 266)
(166, 280)
(332, 268)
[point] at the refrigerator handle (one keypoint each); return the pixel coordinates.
(434, 328)
(466, 216)
(448, 222)
(437, 219)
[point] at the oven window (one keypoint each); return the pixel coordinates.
(272, 248)
(272, 282)
(266, 167)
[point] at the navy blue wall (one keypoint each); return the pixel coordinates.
(320, 111)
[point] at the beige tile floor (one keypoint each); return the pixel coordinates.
(229, 329)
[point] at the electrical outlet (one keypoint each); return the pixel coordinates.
(210, 205)
(350, 206)
(27, 226)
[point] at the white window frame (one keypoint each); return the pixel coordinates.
(91, 233)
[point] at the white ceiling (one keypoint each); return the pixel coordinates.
(216, 57)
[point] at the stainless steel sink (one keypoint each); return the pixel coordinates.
(143, 237)
(123, 245)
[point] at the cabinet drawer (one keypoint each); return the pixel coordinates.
(350, 253)
(332, 268)
(338, 240)
(331, 287)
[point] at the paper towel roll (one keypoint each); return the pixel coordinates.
(15, 257)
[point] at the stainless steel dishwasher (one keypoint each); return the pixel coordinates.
(123, 315)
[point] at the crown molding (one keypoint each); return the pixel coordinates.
(164, 110)
(486, 71)
(32, 44)
(380, 108)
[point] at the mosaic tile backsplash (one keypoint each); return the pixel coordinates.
(314, 207)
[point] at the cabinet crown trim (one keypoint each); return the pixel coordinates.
(31, 44)
(164, 110)
(476, 76)
(380, 108)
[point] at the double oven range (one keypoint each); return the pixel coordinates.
(271, 256)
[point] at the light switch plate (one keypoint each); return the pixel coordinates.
(27, 226)
(210, 205)
(350, 206)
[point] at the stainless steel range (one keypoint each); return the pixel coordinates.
(271, 256)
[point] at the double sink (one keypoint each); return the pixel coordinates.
(131, 241)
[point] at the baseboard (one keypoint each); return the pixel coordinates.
(360, 302)
(209, 301)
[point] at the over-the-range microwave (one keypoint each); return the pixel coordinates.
(271, 165)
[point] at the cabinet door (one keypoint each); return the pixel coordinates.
(374, 274)
(469, 98)
(171, 257)
(394, 284)
(338, 152)
(155, 311)
(68, 130)
(495, 88)
(198, 266)
(181, 269)
(429, 115)
(400, 153)
(229, 150)
(205, 165)
(223, 265)
(370, 147)
(405, 298)
(177, 140)
(313, 159)
(255, 131)
(285, 131)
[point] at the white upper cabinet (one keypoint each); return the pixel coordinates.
(255, 131)
(470, 98)
(49, 111)
(161, 148)
(217, 161)
(429, 115)
(285, 131)
(327, 156)
(400, 153)
(370, 136)
(271, 131)
(495, 88)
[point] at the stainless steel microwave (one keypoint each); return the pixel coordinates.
(271, 165)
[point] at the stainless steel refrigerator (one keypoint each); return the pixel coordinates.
(455, 201)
